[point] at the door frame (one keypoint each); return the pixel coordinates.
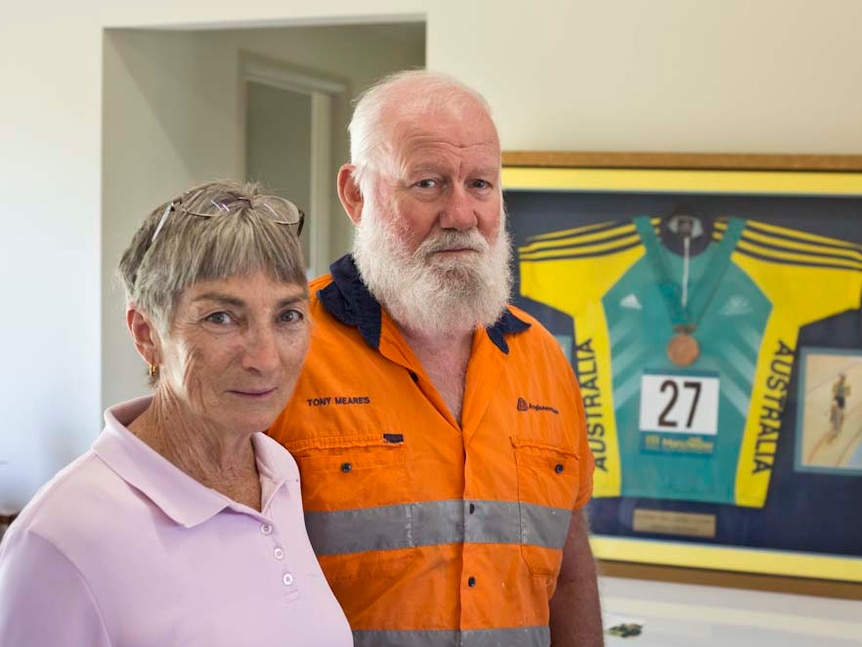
(323, 92)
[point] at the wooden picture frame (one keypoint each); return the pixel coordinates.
(702, 176)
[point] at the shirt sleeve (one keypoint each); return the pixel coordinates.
(45, 599)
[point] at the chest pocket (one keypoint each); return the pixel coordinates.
(351, 471)
(356, 492)
(547, 491)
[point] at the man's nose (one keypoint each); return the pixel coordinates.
(458, 210)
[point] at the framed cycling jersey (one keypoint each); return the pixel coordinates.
(694, 303)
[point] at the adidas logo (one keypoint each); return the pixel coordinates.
(735, 306)
(631, 301)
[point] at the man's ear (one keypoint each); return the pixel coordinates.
(144, 334)
(349, 192)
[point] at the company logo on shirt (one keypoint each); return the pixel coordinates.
(631, 301)
(735, 306)
(523, 405)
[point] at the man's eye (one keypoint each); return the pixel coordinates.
(292, 316)
(481, 184)
(426, 184)
(220, 318)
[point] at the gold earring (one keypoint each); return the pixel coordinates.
(153, 370)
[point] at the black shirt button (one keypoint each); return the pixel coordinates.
(472, 508)
(346, 467)
(558, 469)
(471, 581)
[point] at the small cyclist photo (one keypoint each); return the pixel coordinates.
(829, 419)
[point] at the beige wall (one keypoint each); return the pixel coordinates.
(772, 76)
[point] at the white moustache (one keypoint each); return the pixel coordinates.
(452, 240)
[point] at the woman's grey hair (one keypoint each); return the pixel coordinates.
(410, 91)
(160, 264)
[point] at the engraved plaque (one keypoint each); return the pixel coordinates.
(688, 524)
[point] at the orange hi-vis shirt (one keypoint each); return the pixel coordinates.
(433, 533)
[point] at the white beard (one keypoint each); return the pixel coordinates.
(433, 295)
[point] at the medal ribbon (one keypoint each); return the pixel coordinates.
(687, 316)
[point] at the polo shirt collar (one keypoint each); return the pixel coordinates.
(348, 300)
(186, 501)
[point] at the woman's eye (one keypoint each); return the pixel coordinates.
(220, 318)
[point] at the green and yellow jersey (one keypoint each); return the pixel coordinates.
(707, 431)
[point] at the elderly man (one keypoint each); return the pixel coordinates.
(439, 431)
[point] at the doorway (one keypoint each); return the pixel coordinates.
(288, 145)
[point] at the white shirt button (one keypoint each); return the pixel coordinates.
(278, 553)
(287, 578)
(266, 529)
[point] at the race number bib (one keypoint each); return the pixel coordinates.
(679, 403)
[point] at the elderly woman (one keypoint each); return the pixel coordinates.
(183, 524)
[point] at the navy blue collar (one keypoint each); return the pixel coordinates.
(348, 300)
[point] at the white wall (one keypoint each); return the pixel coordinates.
(768, 76)
(49, 246)
(773, 76)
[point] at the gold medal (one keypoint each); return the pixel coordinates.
(683, 349)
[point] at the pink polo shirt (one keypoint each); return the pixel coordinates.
(121, 548)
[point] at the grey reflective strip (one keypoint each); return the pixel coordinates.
(437, 522)
(492, 522)
(543, 526)
(518, 637)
